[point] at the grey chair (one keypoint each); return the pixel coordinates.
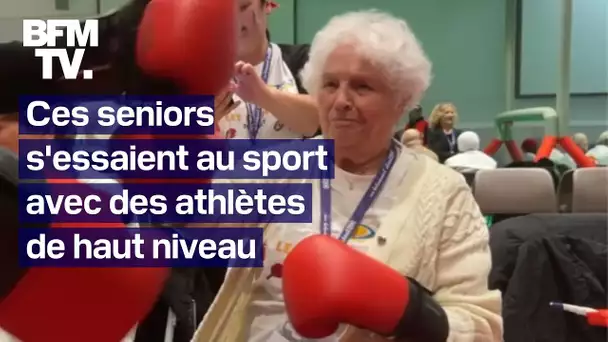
(516, 191)
(564, 192)
(590, 190)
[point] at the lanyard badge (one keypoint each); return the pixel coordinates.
(366, 202)
(254, 113)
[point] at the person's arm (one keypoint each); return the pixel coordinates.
(297, 111)
(463, 266)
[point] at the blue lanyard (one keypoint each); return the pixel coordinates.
(254, 113)
(366, 202)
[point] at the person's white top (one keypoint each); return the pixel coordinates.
(559, 157)
(425, 224)
(471, 161)
(470, 158)
(234, 125)
(270, 322)
(527, 156)
(600, 154)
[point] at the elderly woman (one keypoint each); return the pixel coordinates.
(365, 69)
(600, 151)
(443, 135)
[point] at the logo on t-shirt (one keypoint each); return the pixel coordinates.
(363, 232)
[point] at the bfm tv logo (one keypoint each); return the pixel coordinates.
(44, 33)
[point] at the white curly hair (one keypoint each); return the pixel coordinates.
(384, 40)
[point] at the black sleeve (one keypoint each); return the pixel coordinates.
(296, 56)
(424, 319)
(438, 145)
(21, 70)
(20, 74)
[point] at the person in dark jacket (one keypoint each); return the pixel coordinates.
(543, 258)
(188, 292)
(417, 122)
(443, 135)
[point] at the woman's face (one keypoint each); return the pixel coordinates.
(252, 26)
(358, 107)
(447, 119)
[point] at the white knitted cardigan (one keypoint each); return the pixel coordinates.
(438, 237)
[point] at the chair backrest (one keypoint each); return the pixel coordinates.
(515, 191)
(564, 192)
(590, 190)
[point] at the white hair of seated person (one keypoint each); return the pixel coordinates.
(468, 141)
(600, 151)
(580, 139)
(383, 39)
(603, 139)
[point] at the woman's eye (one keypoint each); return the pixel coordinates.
(330, 85)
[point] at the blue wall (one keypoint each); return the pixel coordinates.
(540, 46)
(465, 41)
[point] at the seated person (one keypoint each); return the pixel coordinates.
(470, 158)
(364, 69)
(412, 139)
(560, 158)
(600, 151)
(529, 147)
(580, 139)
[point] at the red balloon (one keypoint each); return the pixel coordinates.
(192, 42)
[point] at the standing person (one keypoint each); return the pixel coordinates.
(443, 135)
(366, 68)
(417, 121)
(265, 101)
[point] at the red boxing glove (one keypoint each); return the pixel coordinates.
(327, 283)
(75, 304)
(191, 42)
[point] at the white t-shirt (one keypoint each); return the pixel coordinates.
(234, 125)
(600, 154)
(267, 309)
(471, 161)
